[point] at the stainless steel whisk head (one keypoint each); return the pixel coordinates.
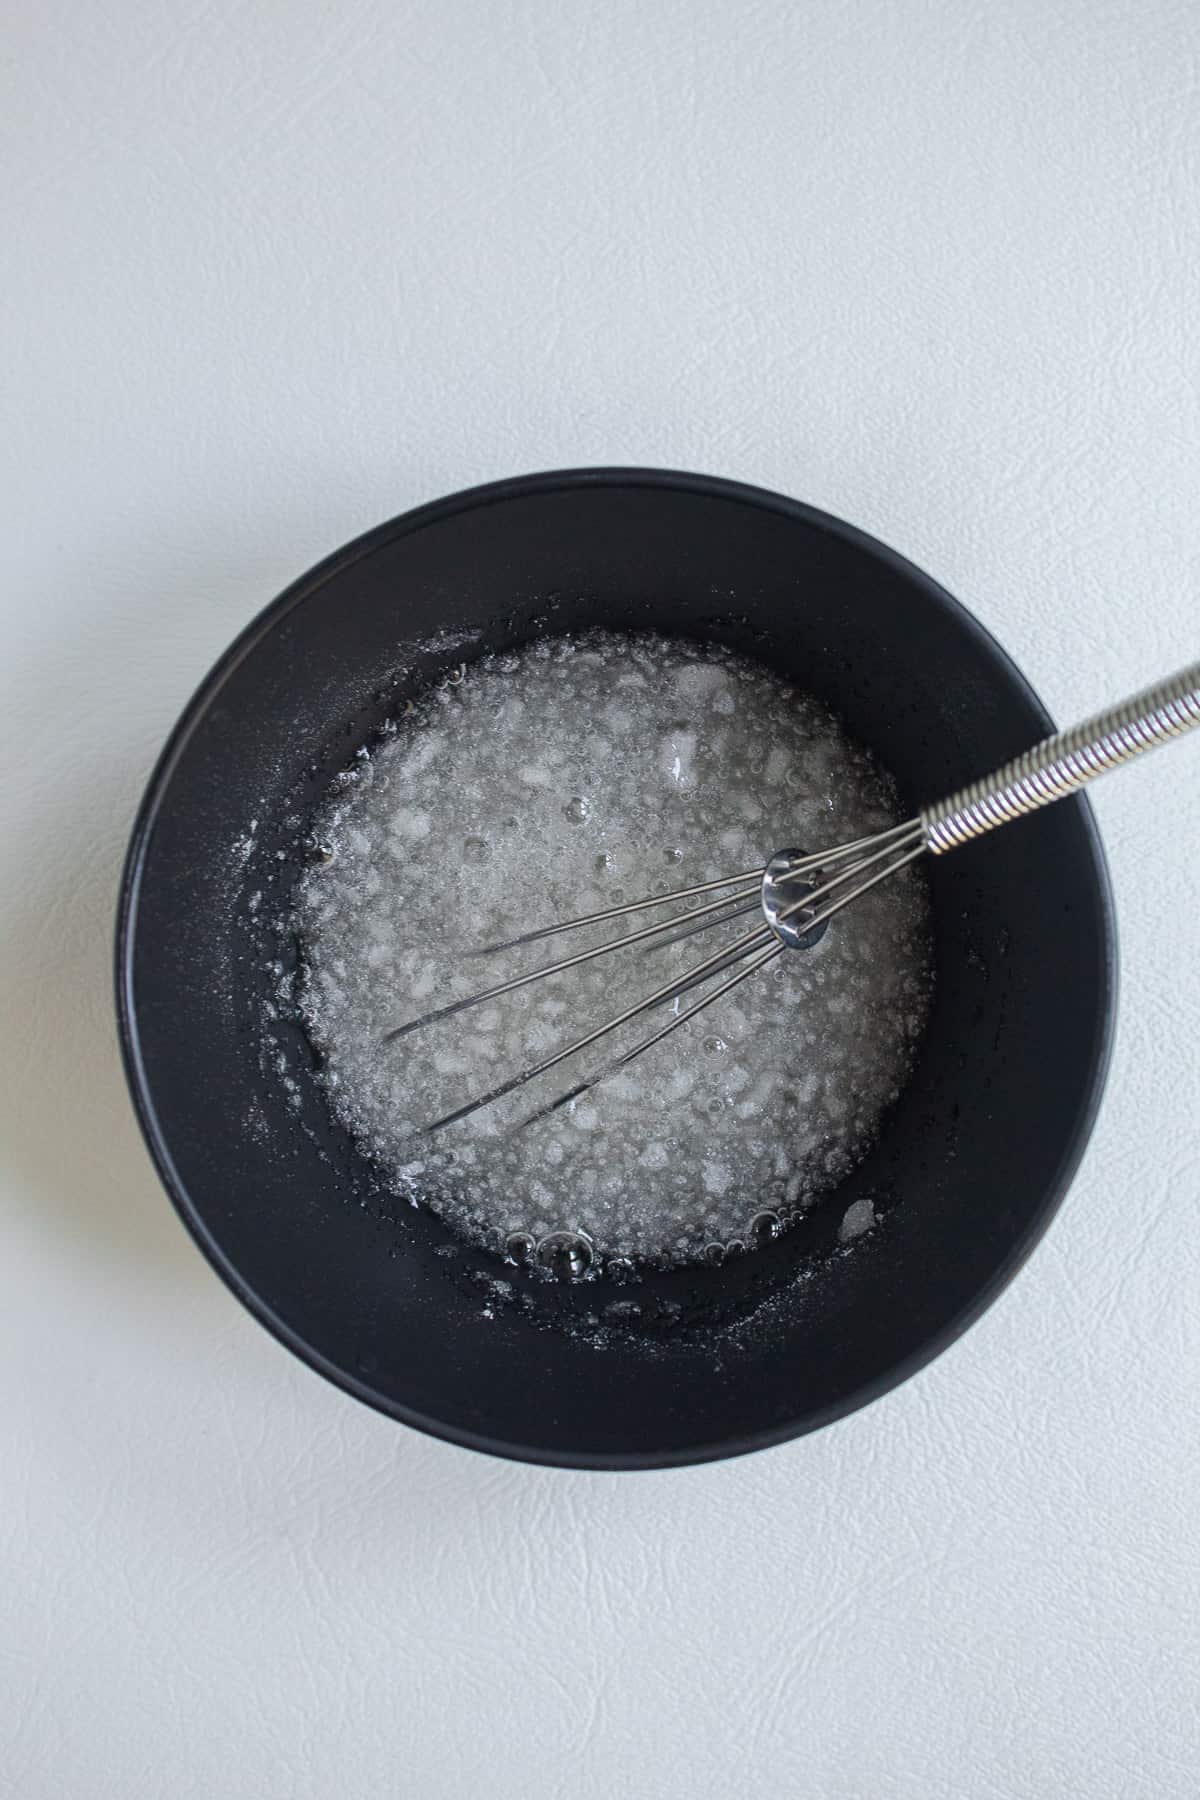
(797, 893)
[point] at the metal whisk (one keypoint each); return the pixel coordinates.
(797, 893)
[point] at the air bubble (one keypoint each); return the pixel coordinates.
(577, 810)
(764, 1226)
(567, 1254)
(714, 1254)
(519, 1247)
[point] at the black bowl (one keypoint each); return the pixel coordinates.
(689, 1364)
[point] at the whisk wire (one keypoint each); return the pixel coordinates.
(618, 912)
(828, 912)
(623, 1061)
(904, 846)
(660, 997)
(644, 936)
(821, 859)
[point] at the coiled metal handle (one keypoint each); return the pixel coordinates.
(1062, 763)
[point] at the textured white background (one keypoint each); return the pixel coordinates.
(276, 270)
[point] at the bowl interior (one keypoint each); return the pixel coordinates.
(380, 1297)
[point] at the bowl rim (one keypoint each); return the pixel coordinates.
(264, 622)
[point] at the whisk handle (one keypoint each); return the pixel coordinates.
(1062, 763)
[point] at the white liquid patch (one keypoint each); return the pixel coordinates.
(558, 780)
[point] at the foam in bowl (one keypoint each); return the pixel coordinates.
(560, 779)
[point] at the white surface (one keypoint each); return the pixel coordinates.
(276, 271)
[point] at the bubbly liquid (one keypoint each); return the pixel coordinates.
(557, 780)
